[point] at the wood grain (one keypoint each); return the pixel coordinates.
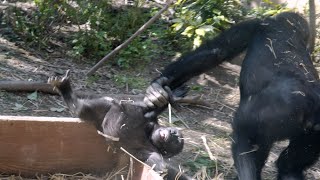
(43, 145)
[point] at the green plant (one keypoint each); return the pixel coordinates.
(91, 79)
(197, 88)
(268, 8)
(35, 27)
(202, 160)
(131, 81)
(97, 28)
(108, 30)
(202, 19)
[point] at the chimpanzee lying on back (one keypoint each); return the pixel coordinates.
(144, 138)
(279, 89)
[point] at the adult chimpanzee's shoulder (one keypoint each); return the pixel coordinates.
(294, 23)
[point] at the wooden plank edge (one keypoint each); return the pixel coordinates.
(27, 151)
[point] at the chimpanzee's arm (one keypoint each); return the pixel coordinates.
(225, 46)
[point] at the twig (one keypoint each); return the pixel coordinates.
(225, 106)
(254, 149)
(305, 68)
(169, 109)
(192, 111)
(135, 158)
(271, 48)
(126, 43)
(299, 92)
(192, 100)
(180, 119)
(207, 148)
(107, 136)
(130, 171)
(178, 175)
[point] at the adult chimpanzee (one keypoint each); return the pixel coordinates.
(143, 137)
(279, 89)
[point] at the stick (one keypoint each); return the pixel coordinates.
(31, 86)
(207, 148)
(255, 148)
(169, 109)
(192, 100)
(126, 43)
(135, 158)
(28, 86)
(312, 24)
(107, 136)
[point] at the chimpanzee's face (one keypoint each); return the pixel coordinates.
(168, 140)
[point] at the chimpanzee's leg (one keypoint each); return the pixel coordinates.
(302, 152)
(263, 118)
(86, 109)
(249, 154)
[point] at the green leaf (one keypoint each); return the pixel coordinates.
(19, 107)
(216, 11)
(57, 109)
(188, 31)
(197, 42)
(74, 41)
(33, 96)
(177, 20)
(206, 28)
(198, 20)
(270, 12)
(200, 32)
(177, 26)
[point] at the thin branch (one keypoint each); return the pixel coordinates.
(27, 86)
(271, 48)
(312, 23)
(135, 158)
(107, 136)
(127, 42)
(192, 100)
(254, 149)
(207, 148)
(169, 109)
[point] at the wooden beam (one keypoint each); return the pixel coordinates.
(47, 145)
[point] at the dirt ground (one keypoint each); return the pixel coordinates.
(218, 87)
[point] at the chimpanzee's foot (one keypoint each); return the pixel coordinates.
(58, 83)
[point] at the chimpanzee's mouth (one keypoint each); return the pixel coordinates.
(163, 135)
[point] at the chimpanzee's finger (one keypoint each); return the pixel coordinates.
(159, 93)
(150, 114)
(148, 102)
(158, 100)
(162, 81)
(171, 98)
(170, 95)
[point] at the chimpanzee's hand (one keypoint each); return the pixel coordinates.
(157, 94)
(157, 97)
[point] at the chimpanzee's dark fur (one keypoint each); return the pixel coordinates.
(279, 89)
(142, 137)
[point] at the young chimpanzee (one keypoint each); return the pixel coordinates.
(279, 89)
(143, 137)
